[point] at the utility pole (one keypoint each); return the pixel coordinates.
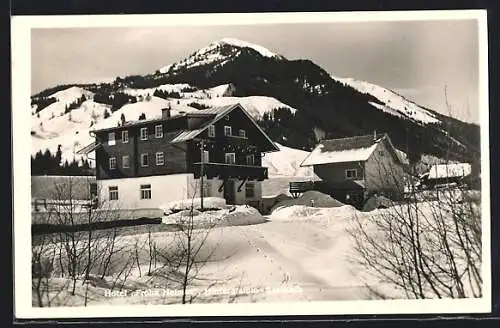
(202, 173)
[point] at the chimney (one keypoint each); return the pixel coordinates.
(374, 135)
(165, 112)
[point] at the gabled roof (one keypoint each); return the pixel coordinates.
(351, 149)
(220, 112)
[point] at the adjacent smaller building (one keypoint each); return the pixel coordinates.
(445, 174)
(352, 169)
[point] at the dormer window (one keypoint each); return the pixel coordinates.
(242, 133)
(111, 139)
(211, 131)
(228, 131)
(159, 131)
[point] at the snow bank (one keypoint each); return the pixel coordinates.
(186, 204)
(310, 198)
(235, 216)
(318, 214)
(242, 215)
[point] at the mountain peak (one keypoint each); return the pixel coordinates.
(245, 44)
(212, 54)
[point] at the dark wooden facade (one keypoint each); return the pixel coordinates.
(184, 156)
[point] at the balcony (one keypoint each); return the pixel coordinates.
(224, 171)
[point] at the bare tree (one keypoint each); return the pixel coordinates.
(426, 245)
(77, 250)
(188, 252)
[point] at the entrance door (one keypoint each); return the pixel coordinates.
(229, 192)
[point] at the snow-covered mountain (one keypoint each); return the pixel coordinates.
(218, 53)
(233, 71)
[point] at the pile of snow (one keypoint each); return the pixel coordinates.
(241, 215)
(310, 198)
(286, 162)
(187, 204)
(393, 103)
(238, 215)
(318, 214)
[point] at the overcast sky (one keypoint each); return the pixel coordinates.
(415, 58)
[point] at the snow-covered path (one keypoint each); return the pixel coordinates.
(303, 254)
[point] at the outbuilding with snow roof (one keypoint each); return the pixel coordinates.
(351, 169)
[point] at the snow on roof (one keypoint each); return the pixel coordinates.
(350, 149)
(449, 170)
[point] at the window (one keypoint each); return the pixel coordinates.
(146, 191)
(351, 173)
(230, 158)
(125, 136)
(158, 131)
(250, 159)
(144, 160)
(112, 163)
(125, 162)
(249, 190)
(111, 139)
(160, 160)
(206, 156)
(211, 131)
(242, 133)
(144, 133)
(381, 153)
(113, 193)
(228, 131)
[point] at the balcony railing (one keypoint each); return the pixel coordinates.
(224, 171)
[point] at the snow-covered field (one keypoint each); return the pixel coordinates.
(297, 254)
